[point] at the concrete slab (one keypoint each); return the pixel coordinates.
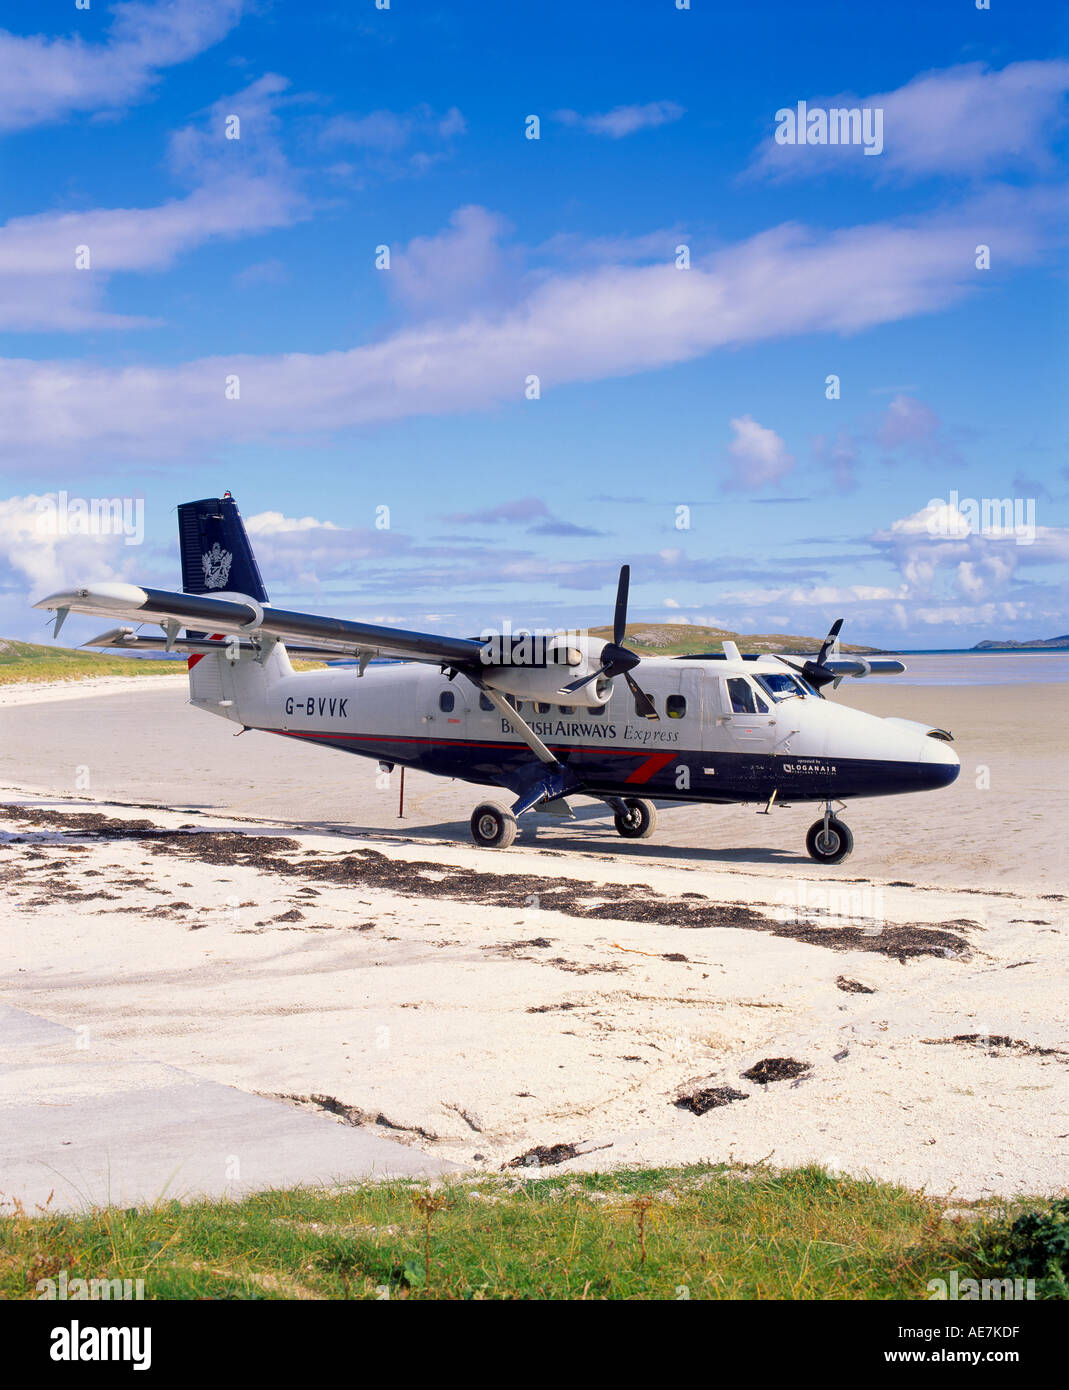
(93, 1126)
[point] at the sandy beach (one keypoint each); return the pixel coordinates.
(259, 915)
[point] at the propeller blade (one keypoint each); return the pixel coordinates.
(583, 680)
(643, 703)
(619, 622)
(833, 633)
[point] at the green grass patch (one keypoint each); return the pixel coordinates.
(28, 661)
(644, 1234)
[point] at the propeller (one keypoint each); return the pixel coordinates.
(616, 659)
(815, 672)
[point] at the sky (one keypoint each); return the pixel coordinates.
(469, 304)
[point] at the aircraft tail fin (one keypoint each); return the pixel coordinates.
(215, 549)
(217, 558)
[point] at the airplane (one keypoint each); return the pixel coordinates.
(543, 717)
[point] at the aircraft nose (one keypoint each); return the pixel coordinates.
(941, 763)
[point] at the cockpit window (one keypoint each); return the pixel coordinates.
(744, 698)
(781, 686)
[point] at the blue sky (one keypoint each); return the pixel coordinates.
(660, 387)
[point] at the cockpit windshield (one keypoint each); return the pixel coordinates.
(781, 686)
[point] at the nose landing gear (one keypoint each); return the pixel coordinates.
(829, 840)
(636, 818)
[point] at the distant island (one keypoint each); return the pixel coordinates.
(1010, 646)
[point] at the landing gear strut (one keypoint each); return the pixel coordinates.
(829, 840)
(492, 827)
(636, 818)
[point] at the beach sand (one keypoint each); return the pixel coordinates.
(571, 989)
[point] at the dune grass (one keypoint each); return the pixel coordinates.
(643, 1234)
(29, 661)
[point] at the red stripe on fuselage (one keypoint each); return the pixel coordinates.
(215, 637)
(652, 765)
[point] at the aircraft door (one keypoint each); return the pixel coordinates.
(746, 722)
(446, 709)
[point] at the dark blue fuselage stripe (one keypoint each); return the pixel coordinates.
(737, 776)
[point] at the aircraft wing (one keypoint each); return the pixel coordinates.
(864, 666)
(237, 613)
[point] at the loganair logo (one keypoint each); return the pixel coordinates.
(810, 767)
(216, 566)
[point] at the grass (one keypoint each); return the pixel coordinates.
(749, 1233)
(28, 661)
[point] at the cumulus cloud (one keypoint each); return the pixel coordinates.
(47, 79)
(624, 120)
(950, 549)
(963, 121)
(759, 457)
(37, 557)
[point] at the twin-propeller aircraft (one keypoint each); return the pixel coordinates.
(544, 719)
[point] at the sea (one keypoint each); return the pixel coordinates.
(1025, 666)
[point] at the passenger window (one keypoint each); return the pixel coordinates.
(542, 708)
(446, 701)
(648, 697)
(595, 709)
(485, 704)
(744, 698)
(675, 706)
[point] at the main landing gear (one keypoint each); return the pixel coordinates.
(492, 826)
(829, 840)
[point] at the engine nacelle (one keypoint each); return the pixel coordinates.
(544, 684)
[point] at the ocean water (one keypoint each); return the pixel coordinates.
(1032, 667)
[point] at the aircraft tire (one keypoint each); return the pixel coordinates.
(841, 841)
(492, 827)
(641, 821)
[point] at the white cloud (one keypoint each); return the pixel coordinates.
(387, 132)
(457, 270)
(939, 552)
(624, 120)
(276, 524)
(48, 79)
(245, 188)
(963, 120)
(759, 456)
(909, 422)
(607, 322)
(36, 558)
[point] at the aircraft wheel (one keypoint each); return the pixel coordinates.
(492, 827)
(640, 821)
(834, 848)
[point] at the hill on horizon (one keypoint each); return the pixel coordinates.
(685, 639)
